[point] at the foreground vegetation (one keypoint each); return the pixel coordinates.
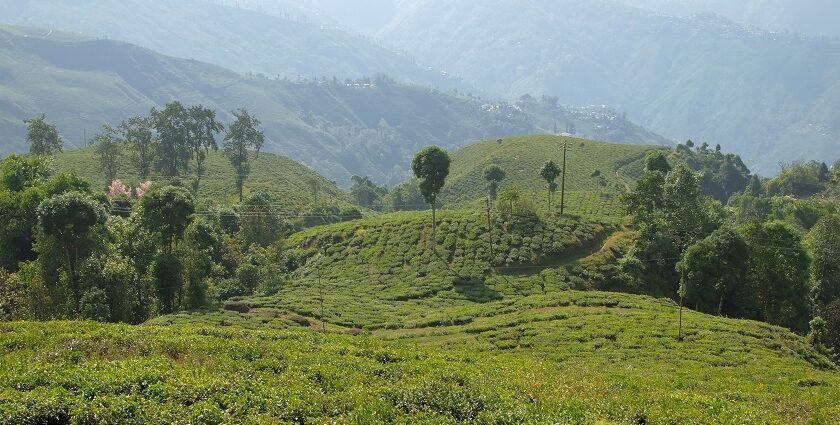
(603, 359)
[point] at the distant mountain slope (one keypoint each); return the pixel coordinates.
(236, 38)
(337, 128)
(287, 181)
(769, 97)
(812, 17)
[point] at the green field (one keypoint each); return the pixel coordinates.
(288, 182)
(568, 357)
(522, 157)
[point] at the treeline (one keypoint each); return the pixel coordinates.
(172, 142)
(764, 255)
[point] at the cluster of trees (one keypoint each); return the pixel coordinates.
(78, 256)
(172, 142)
(69, 250)
(770, 267)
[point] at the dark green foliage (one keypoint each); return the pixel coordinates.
(714, 270)
(242, 135)
(494, 176)
(431, 167)
(168, 281)
(831, 316)
(657, 161)
(799, 179)
(824, 244)
(778, 278)
(260, 221)
(367, 193)
(70, 221)
(549, 172)
(171, 125)
(137, 132)
(18, 172)
(248, 277)
(42, 136)
(108, 151)
(167, 211)
(94, 305)
(202, 129)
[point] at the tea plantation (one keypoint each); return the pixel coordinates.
(570, 357)
(522, 157)
(381, 272)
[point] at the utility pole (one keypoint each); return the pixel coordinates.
(682, 283)
(490, 231)
(563, 180)
(321, 294)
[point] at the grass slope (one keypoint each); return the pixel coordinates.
(380, 272)
(286, 180)
(522, 157)
(567, 358)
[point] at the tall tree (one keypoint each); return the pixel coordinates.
(139, 136)
(431, 167)
(167, 211)
(684, 219)
(42, 136)
(243, 134)
(71, 220)
(549, 172)
(260, 221)
(714, 268)
(203, 129)
(494, 175)
(778, 277)
(108, 151)
(173, 146)
(823, 242)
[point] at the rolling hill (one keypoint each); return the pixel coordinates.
(287, 181)
(522, 157)
(375, 328)
(339, 128)
(769, 97)
(612, 363)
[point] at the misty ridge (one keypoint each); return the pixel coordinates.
(668, 66)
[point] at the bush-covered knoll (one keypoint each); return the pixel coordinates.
(724, 372)
(286, 180)
(381, 271)
(522, 157)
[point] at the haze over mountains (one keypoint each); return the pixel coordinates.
(768, 96)
(340, 128)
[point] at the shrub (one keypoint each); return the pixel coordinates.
(94, 305)
(229, 288)
(236, 306)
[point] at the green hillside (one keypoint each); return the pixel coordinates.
(289, 182)
(563, 358)
(365, 127)
(381, 272)
(522, 157)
